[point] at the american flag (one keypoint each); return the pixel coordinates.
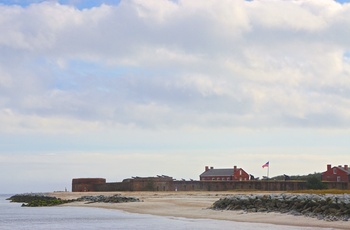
(266, 164)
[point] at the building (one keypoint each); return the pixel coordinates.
(227, 174)
(238, 180)
(336, 174)
(86, 184)
(165, 183)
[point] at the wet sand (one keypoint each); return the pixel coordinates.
(195, 205)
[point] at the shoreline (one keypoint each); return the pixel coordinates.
(195, 205)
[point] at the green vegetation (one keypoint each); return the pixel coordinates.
(40, 200)
(41, 203)
(313, 182)
(322, 191)
(299, 177)
(37, 200)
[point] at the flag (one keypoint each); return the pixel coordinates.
(266, 164)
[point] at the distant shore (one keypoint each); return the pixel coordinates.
(195, 205)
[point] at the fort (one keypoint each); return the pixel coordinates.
(166, 183)
(212, 179)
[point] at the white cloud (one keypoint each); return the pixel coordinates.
(193, 63)
(177, 84)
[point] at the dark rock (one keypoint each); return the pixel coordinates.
(108, 199)
(322, 207)
(37, 200)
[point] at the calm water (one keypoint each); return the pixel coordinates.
(13, 216)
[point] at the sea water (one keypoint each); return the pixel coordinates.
(13, 216)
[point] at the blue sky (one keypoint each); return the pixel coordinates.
(139, 88)
(82, 4)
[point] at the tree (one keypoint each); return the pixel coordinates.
(313, 182)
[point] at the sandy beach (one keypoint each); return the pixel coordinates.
(195, 205)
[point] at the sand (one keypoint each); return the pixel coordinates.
(195, 205)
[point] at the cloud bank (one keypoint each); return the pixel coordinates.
(165, 64)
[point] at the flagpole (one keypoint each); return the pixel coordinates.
(268, 170)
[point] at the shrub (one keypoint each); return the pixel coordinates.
(314, 183)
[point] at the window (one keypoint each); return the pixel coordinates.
(223, 178)
(228, 178)
(213, 178)
(240, 172)
(335, 171)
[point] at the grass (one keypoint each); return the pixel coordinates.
(322, 191)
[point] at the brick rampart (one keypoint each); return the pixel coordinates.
(149, 185)
(168, 184)
(86, 184)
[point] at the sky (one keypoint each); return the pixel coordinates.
(116, 89)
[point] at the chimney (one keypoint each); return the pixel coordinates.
(346, 167)
(329, 167)
(234, 168)
(206, 168)
(211, 167)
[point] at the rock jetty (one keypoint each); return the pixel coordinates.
(39, 200)
(323, 207)
(108, 199)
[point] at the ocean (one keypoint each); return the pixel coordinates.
(13, 216)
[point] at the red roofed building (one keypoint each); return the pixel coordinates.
(336, 174)
(227, 174)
